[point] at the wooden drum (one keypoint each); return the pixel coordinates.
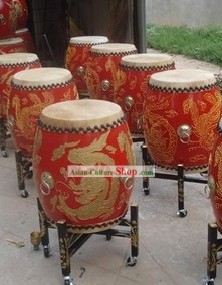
(31, 91)
(215, 176)
(181, 112)
(11, 45)
(131, 84)
(82, 133)
(9, 12)
(101, 71)
(77, 56)
(9, 65)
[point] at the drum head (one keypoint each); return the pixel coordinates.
(88, 40)
(38, 77)
(11, 41)
(114, 48)
(17, 58)
(21, 31)
(82, 115)
(147, 61)
(193, 79)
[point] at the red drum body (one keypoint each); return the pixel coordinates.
(102, 68)
(9, 65)
(27, 38)
(12, 45)
(215, 176)
(31, 91)
(82, 133)
(22, 20)
(181, 113)
(9, 13)
(77, 56)
(131, 84)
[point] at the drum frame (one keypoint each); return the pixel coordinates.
(213, 248)
(179, 176)
(70, 242)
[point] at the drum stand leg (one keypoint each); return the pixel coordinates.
(180, 177)
(146, 161)
(180, 174)
(23, 168)
(3, 137)
(70, 242)
(214, 246)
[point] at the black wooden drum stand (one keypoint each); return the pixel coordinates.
(3, 136)
(214, 246)
(24, 170)
(70, 242)
(180, 177)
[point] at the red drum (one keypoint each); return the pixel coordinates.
(82, 133)
(31, 91)
(131, 84)
(101, 70)
(181, 112)
(9, 65)
(215, 176)
(77, 55)
(27, 38)
(12, 45)
(9, 13)
(22, 20)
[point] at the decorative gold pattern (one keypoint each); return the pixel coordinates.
(64, 253)
(97, 196)
(218, 164)
(204, 122)
(162, 137)
(25, 115)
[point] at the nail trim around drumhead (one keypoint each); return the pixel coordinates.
(88, 40)
(113, 49)
(18, 59)
(42, 78)
(146, 62)
(81, 116)
(182, 80)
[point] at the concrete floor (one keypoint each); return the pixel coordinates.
(172, 250)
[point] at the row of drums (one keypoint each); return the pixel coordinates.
(177, 112)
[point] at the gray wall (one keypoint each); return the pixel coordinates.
(191, 13)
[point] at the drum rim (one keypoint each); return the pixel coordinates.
(79, 41)
(112, 49)
(11, 41)
(21, 31)
(34, 83)
(17, 59)
(81, 125)
(145, 61)
(157, 82)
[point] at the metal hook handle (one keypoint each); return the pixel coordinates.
(128, 103)
(128, 182)
(105, 85)
(184, 131)
(80, 70)
(47, 183)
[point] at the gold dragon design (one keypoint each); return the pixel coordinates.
(96, 195)
(161, 137)
(26, 117)
(204, 125)
(218, 164)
